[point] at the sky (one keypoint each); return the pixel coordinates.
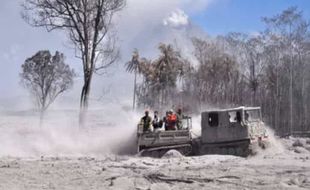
(223, 16)
(142, 24)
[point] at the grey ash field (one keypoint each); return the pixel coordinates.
(63, 158)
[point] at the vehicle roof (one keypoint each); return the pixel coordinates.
(234, 109)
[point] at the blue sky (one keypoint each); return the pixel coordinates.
(223, 16)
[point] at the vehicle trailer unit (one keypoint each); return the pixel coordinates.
(156, 144)
(238, 131)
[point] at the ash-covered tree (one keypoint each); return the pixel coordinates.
(46, 76)
(249, 53)
(134, 66)
(140, 66)
(288, 34)
(88, 24)
(168, 67)
(216, 76)
(160, 77)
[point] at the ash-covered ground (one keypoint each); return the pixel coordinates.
(61, 156)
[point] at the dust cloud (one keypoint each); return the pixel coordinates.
(275, 145)
(108, 131)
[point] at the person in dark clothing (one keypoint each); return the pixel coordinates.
(146, 121)
(157, 123)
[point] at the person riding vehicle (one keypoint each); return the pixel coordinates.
(170, 121)
(157, 123)
(146, 122)
(180, 117)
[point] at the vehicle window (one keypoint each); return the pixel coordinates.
(234, 116)
(252, 115)
(213, 119)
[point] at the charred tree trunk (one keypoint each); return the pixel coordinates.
(134, 91)
(84, 101)
(291, 96)
(42, 115)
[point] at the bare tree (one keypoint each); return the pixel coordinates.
(293, 29)
(46, 77)
(248, 50)
(87, 23)
(215, 74)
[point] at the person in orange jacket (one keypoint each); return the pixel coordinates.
(171, 121)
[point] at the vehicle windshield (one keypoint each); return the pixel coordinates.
(252, 115)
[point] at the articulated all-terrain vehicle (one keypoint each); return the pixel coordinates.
(237, 131)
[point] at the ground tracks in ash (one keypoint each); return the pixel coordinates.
(286, 170)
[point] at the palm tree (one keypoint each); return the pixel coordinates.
(134, 66)
(168, 68)
(159, 76)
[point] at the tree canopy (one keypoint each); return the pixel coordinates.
(46, 76)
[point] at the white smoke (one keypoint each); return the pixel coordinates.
(176, 19)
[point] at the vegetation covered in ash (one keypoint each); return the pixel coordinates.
(269, 69)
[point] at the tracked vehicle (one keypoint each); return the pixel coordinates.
(238, 131)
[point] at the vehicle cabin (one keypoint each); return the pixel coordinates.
(231, 124)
